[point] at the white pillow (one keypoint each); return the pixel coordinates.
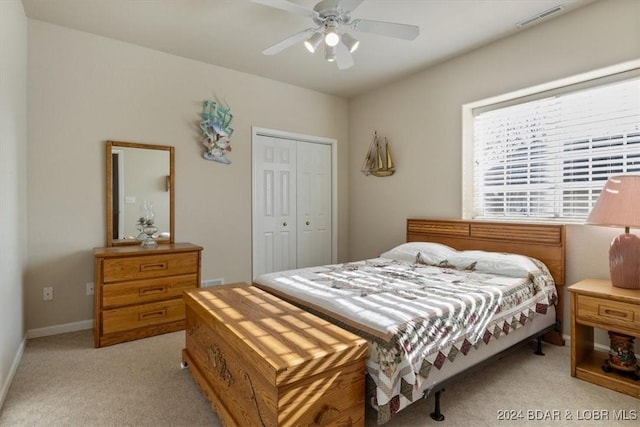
(511, 265)
(430, 253)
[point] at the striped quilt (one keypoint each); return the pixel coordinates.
(416, 317)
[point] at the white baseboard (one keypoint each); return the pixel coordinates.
(12, 372)
(60, 329)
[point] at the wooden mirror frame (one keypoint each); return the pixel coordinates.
(170, 185)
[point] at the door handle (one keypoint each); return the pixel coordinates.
(307, 223)
(284, 224)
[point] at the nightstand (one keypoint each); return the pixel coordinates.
(597, 304)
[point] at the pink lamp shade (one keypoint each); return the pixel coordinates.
(619, 206)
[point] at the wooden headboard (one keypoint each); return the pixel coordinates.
(545, 242)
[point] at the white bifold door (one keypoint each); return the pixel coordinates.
(292, 204)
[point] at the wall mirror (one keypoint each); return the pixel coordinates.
(139, 175)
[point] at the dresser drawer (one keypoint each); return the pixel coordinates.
(151, 290)
(606, 312)
(140, 316)
(149, 266)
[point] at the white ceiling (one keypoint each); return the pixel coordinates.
(233, 33)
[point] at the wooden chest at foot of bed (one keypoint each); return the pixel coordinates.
(261, 361)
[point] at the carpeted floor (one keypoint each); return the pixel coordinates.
(63, 380)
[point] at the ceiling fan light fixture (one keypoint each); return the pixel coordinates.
(331, 37)
(332, 20)
(313, 42)
(330, 53)
(350, 42)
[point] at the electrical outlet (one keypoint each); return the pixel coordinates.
(47, 293)
(89, 288)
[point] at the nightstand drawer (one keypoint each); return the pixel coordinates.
(145, 267)
(140, 316)
(606, 312)
(138, 292)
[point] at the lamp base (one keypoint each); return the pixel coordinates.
(149, 241)
(624, 261)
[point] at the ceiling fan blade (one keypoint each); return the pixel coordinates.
(391, 29)
(343, 57)
(287, 6)
(289, 41)
(349, 5)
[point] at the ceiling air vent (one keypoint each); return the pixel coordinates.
(539, 17)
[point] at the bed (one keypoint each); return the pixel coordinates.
(454, 296)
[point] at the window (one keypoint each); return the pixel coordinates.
(548, 158)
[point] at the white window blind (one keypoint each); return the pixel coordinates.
(548, 159)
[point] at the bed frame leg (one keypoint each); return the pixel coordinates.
(436, 414)
(539, 347)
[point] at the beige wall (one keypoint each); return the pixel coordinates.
(13, 179)
(421, 116)
(85, 89)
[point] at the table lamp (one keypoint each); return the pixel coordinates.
(619, 206)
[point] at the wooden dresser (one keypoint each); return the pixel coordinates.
(138, 292)
(264, 362)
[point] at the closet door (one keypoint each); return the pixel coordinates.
(293, 201)
(313, 204)
(274, 199)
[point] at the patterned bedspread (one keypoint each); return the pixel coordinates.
(416, 317)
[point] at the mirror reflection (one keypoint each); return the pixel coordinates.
(139, 191)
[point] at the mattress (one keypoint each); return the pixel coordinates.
(428, 311)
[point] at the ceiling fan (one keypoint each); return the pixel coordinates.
(332, 18)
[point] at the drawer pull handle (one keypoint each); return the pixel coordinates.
(153, 290)
(153, 267)
(153, 314)
(615, 313)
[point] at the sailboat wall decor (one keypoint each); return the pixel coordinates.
(378, 161)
